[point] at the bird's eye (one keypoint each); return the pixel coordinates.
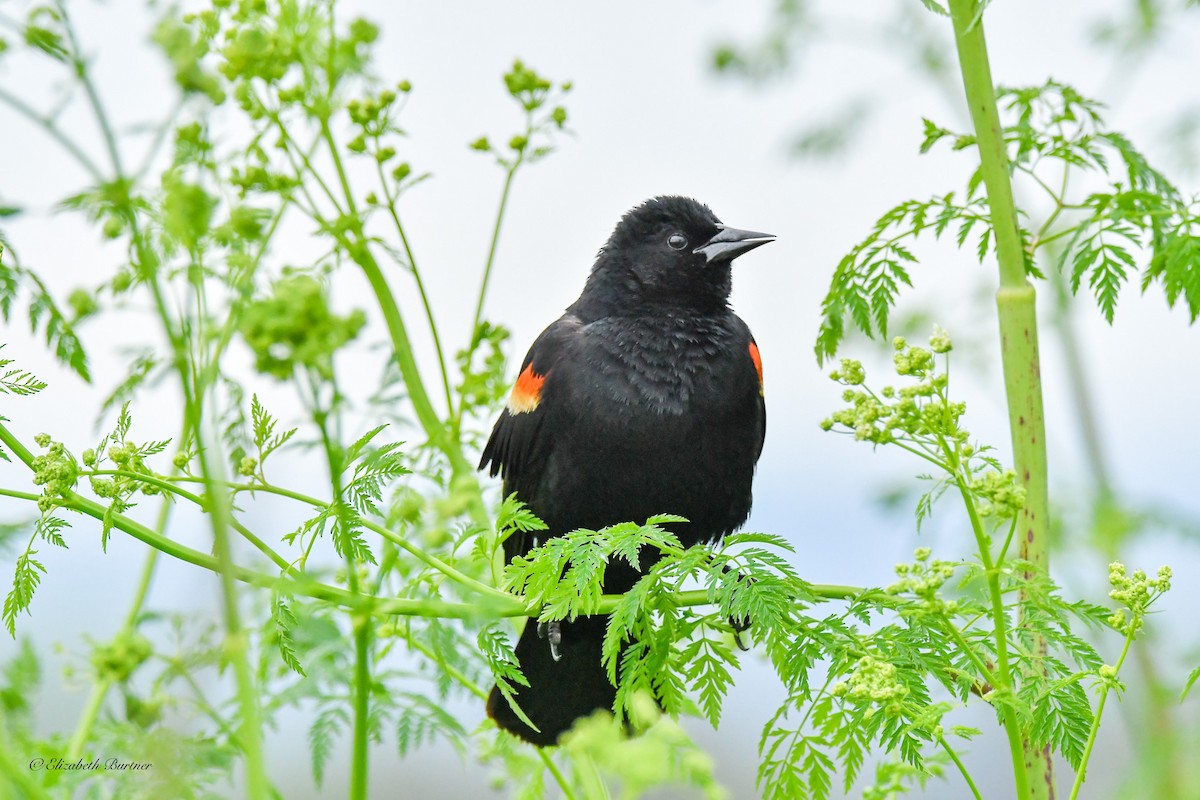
(677, 241)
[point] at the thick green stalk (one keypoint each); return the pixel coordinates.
(1015, 301)
(463, 471)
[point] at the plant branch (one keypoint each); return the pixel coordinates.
(1016, 308)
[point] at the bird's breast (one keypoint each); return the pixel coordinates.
(643, 371)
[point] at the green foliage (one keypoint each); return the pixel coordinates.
(1053, 134)
(1189, 683)
(27, 576)
(44, 313)
(18, 381)
(265, 439)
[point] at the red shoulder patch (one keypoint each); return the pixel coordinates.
(527, 392)
(757, 359)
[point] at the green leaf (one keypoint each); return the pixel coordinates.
(423, 721)
(867, 280)
(59, 333)
(933, 134)
(325, 728)
(772, 539)
(19, 382)
(706, 665)
(27, 576)
(1189, 683)
(143, 366)
(285, 621)
(354, 450)
(22, 677)
(265, 438)
(48, 528)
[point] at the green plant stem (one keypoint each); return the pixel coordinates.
(203, 505)
(1003, 677)
(91, 710)
(360, 623)
(431, 560)
(463, 472)
(392, 199)
(83, 730)
(485, 281)
(493, 246)
(451, 670)
(554, 771)
(236, 640)
(492, 607)
(360, 762)
(1081, 775)
(962, 768)
(1016, 306)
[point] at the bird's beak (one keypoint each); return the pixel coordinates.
(729, 243)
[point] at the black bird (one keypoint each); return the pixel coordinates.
(644, 398)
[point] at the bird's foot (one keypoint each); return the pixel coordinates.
(739, 624)
(552, 631)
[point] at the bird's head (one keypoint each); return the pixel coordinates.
(671, 250)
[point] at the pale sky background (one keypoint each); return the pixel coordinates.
(648, 117)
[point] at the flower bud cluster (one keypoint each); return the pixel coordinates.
(940, 341)
(533, 92)
(1000, 494)
(924, 579)
(526, 85)
(255, 178)
(1136, 593)
(257, 51)
(127, 457)
(294, 327)
(873, 681)
(918, 410)
(373, 116)
(56, 470)
(247, 466)
(117, 660)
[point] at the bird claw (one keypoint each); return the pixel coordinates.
(552, 631)
(738, 626)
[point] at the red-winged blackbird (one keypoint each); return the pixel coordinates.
(644, 398)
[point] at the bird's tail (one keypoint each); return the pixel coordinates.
(559, 692)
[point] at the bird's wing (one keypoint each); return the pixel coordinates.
(517, 448)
